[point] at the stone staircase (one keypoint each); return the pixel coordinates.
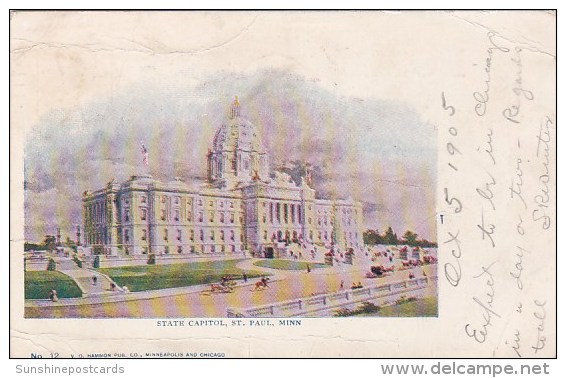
(84, 278)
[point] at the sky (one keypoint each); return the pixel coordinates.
(332, 89)
(378, 152)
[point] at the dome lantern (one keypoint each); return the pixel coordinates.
(235, 111)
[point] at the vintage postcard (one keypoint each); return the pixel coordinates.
(197, 184)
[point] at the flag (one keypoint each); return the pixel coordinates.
(145, 155)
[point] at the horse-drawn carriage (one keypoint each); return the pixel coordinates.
(379, 271)
(226, 285)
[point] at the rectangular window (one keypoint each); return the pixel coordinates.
(163, 214)
(179, 234)
(285, 213)
(271, 212)
(212, 216)
(143, 214)
(189, 216)
(177, 215)
(231, 217)
(144, 235)
(166, 234)
(299, 216)
(192, 233)
(278, 212)
(143, 199)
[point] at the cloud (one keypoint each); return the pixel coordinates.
(374, 150)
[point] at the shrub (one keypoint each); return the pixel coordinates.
(151, 259)
(342, 312)
(96, 262)
(405, 300)
(364, 308)
(368, 308)
(51, 265)
(77, 261)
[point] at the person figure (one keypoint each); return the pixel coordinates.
(245, 276)
(53, 295)
(411, 275)
(342, 285)
(308, 268)
(94, 279)
(112, 286)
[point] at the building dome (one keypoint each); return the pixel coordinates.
(238, 132)
(237, 152)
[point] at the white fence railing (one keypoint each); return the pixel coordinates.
(319, 302)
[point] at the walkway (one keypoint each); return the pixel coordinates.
(101, 293)
(198, 301)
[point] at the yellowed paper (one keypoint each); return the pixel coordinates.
(283, 184)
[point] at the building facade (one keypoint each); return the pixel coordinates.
(241, 208)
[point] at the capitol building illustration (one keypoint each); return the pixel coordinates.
(243, 207)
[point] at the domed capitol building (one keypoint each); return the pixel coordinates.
(240, 208)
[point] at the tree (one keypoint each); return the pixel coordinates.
(410, 238)
(49, 242)
(28, 246)
(96, 262)
(390, 237)
(51, 265)
(69, 242)
(372, 237)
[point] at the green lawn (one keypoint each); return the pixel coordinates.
(153, 277)
(38, 285)
(422, 307)
(425, 307)
(287, 264)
